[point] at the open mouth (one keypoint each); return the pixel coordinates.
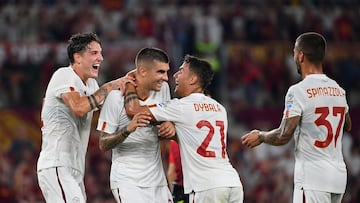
(96, 67)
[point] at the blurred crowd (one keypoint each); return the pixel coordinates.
(249, 43)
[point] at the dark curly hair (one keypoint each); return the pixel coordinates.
(79, 42)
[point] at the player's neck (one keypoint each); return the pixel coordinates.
(78, 72)
(196, 90)
(142, 92)
(312, 69)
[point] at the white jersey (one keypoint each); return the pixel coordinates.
(64, 136)
(201, 125)
(321, 103)
(137, 160)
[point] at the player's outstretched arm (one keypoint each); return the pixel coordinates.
(108, 141)
(278, 136)
(80, 105)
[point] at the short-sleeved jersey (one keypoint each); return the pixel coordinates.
(322, 105)
(201, 125)
(137, 160)
(64, 136)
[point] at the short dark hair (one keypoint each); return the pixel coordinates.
(313, 45)
(149, 54)
(79, 42)
(202, 68)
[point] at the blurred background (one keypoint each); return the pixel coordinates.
(249, 43)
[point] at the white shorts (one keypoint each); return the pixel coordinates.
(131, 194)
(62, 184)
(313, 196)
(219, 195)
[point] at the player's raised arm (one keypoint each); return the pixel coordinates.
(132, 104)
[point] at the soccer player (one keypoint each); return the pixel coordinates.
(201, 125)
(137, 173)
(316, 114)
(71, 97)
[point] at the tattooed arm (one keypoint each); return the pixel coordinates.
(278, 136)
(80, 105)
(108, 141)
(132, 104)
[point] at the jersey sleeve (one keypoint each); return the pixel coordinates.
(168, 111)
(63, 81)
(109, 118)
(293, 103)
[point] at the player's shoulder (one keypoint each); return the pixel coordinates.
(64, 72)
(115, 95)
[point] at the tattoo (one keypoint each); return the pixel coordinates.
(90, 103)
(109, 141)
(261, 137)
(96, 103)
(129, 93)
(281, 135)
(113, 85)
(103, 91)
(129, 99)
(101, 94)
(124, 132)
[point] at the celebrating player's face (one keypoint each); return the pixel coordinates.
(180, 79)
(158, 75)
(90, 60)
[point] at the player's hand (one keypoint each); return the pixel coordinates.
(131, 73)
(166, 130)
(120, 83)
(140, 119)
(251, 139)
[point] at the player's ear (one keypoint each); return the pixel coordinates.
(142, 70)
(193, 79)
(301, 56)
(76, 57)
